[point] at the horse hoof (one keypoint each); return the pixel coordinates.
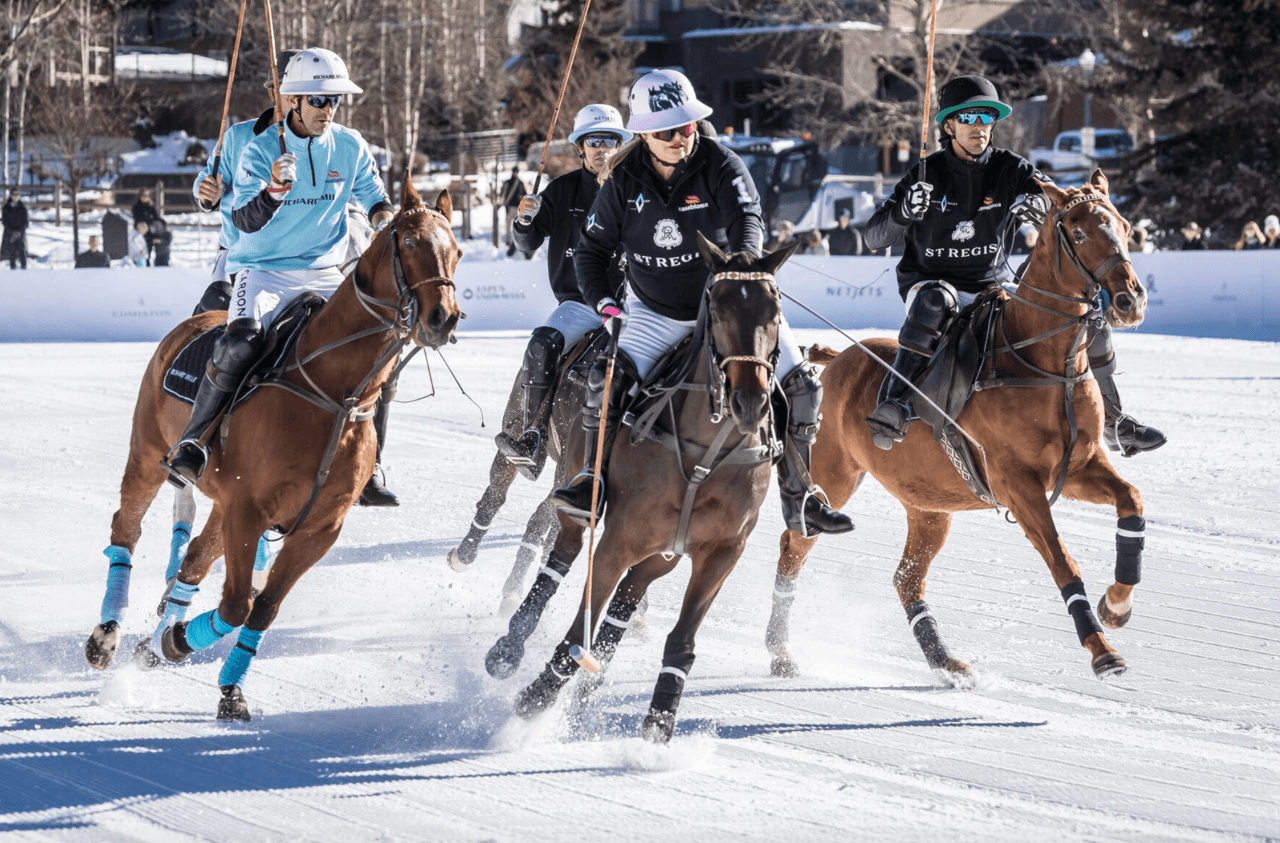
(457, 563)
(1109, 665)
(535, 699)
(100, 649)
(658, 726)
(144, 657)
(1110, 619)
(164, 598)
(784, 667)
(173, 643)
(504, 658)
(957, 674)
(232, 705)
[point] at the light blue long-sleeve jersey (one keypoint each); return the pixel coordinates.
(309, 228)
(234, 140)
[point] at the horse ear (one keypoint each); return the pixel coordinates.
(1099, 181)
(770, 262)
(1056, 195)
(444, 204)
(409, 197)
(711, 253)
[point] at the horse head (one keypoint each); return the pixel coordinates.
(744, 309)
(411, 262)
(1089, 231)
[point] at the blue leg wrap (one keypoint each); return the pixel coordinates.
(177, 548)
(116, 598)
(263, 557)
(180, 597)
(238, 660)
(206, 630)
(1080, 610)
(1130, 537)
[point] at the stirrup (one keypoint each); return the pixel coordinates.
(522, 452)
(186, 463)
(574, 500)
(888, 423)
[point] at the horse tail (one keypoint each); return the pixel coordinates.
(822, 354)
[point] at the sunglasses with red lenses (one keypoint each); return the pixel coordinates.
(685, 131)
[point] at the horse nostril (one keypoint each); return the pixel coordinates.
(1124, 302)
(436, 318)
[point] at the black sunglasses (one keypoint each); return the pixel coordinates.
(600, 142)
(316, 101)
(665, 135)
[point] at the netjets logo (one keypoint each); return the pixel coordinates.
(591, 223)
(638, 203)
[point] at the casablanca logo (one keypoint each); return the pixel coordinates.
(638, 203)
(667, 234)
(964, 231)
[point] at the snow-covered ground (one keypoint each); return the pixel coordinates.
(373, 717)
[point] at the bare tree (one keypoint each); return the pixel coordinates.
(25, 25)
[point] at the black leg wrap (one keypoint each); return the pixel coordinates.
(612, 627)
(505, 656)
(1130, 537)
(925, 629)
(675, 670)
(1080, 610)
(542, 692)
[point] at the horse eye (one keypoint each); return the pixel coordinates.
(1078, 235)
(410, 242)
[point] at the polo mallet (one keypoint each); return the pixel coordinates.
(928, 89)
(226, 102)
(582, 655)
(564, 83)
(275, 75)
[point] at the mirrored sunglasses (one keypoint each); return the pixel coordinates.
(973, 118)
(316, 101)
(686, 130)
(600, 142)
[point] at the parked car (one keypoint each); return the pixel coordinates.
(1067, 152)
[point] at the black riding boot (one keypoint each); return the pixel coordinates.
(1121, 432)
(574, 500)
(804, 505)
(541, 358)
(233, 353)
(931, 310)
(374, 493)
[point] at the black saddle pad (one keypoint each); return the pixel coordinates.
(183, 378)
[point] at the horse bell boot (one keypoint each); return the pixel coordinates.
(234, 353)
(804, 505)
(1121, 432)
(374, 492)
(541, 361)
(574, 500)
(931, 311)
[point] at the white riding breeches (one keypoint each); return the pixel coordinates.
(574, 320)
(262, 293)
(219, 272)
(964, 299)
(648, 334)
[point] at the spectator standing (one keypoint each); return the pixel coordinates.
(782, 236)
(1250, 237)
(16, 220)
(1191, 236)
(94, 257)
(513, 191)
(138, 250)
(1271, 231)
(815, 244)
(844, 239)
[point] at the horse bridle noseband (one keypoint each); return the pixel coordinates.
(719, 364)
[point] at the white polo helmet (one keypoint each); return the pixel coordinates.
(598, 118)
(664, 99)
(317, 71)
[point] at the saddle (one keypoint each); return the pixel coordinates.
(951, 379)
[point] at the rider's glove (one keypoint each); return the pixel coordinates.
(284, 172)
(1031, 208)
(613, 316)
(529, 206)
(917, 203)
(210, 192)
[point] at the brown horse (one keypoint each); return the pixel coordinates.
(711, 466)
(292, 458)
(1026, 433)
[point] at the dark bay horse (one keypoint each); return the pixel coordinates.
(294, 455)
(1079, 264)
(694, 488)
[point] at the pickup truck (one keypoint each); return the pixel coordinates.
(1067, 152)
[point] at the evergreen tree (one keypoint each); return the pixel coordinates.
(1201, 75)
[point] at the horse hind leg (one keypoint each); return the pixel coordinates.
(203, 551)
(501, 475)
(541, 532)
(926, 533)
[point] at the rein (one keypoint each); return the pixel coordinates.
(351, 409)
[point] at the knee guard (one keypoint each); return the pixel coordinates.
(804, 396)
(1101, 353)
(542, 356)
(234, 352)
(931, 310)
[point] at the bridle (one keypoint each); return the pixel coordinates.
(717, 363)
(405, 307)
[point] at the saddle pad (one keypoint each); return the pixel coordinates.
(183, 378)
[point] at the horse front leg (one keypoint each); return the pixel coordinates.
(199, 557)
(1031, 509)
(1098, 482)
(505, 655)
(501, 475)
(926, 534)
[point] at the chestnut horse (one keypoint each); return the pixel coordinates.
(712, 467)
(294, 457)
(1026, 433)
